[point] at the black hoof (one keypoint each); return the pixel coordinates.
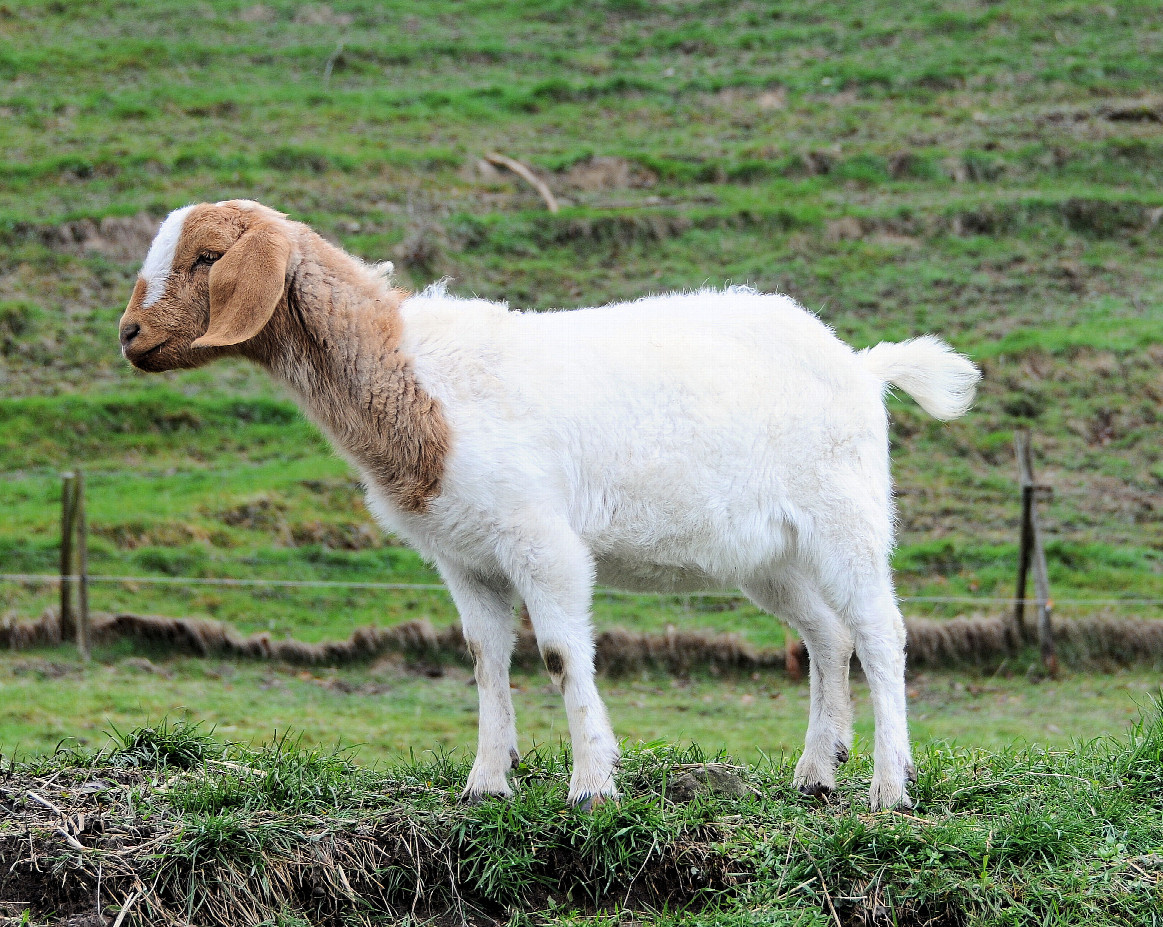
(514, 758)
(911, 773)
(841, 754)
(815, 790)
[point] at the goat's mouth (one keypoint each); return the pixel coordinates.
(144, 358)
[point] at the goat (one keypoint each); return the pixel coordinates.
(700, 440)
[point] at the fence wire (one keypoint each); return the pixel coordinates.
(55, 579)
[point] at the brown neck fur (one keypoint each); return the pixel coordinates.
(335, 340)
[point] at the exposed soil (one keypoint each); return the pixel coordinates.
(598, 174)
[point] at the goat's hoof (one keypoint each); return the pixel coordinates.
(903, 803)
(841, 754)
(589, 803)
(883, 798)
(816, 790)
(514, 758)
(478, 798)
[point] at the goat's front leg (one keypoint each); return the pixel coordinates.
(554, 573)
(486, 618)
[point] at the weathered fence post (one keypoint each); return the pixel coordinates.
(1017, 632)
(74, 562)
(68, 513)
(82, 569)
(1033, 553)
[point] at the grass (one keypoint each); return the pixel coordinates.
(855, 156)
(283, 833)
(51, 698)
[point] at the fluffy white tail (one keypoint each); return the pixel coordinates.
(942, 381)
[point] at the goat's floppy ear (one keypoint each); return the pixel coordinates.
(246, 284)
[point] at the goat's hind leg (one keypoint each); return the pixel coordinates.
(879, 633)
(849, 564)
(829, 738)
(486, 618)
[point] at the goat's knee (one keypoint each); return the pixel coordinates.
(554, 661)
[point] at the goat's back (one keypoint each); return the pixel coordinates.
(688, 439)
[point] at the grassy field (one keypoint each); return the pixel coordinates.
(990, 171)
(50, 698)
(859, 157)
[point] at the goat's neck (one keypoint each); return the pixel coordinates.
(336, 342)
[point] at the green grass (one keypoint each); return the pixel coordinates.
(51, 697)
(860, 157)
(293, 834)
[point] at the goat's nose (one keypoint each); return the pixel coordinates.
(128, 332)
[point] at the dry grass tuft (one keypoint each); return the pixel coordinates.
(957, 641)
(123, 238)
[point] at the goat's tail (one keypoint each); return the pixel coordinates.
(942, 381)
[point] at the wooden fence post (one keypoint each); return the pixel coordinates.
(1033, 554)
(82, 569)
(68, 513)
(1017, 631)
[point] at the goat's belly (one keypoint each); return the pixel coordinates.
(703, 551)
(643, 576)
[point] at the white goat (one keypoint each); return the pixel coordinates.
(708, 440)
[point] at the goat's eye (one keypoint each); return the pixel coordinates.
(205, 259)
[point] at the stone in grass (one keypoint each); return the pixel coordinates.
(718, 779)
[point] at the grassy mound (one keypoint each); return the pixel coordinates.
(181, 828)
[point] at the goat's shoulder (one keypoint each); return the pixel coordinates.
(434, 312)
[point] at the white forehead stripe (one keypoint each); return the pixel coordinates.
(160, 260)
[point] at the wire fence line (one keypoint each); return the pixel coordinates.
(41, 473)
(54, 473)
(52, 579)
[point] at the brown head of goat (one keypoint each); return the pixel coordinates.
(211, 281)
(239, 279)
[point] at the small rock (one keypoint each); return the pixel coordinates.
(708, 779)
(776, 98)
(93, 786)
